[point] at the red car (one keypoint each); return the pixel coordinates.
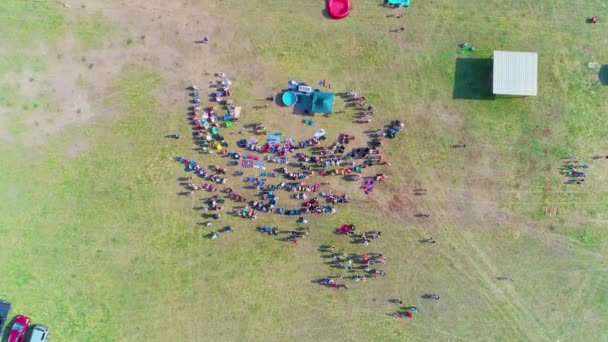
(19, 329)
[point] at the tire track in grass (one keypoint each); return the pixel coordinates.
(555, 240)
(588, 290)
(512, 299)
(441, 218)
(460, 244)
(491, 297)
(460, 276)
(482, 265)
(465, 243)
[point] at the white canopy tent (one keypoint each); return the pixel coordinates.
(515, 73)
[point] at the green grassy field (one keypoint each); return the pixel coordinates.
(98, 246)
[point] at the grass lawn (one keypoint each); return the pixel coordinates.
(96, 244)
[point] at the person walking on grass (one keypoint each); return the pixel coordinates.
(504, 278)
(427, 241)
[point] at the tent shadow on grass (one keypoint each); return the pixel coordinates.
(325, 14)
(473, 79)
(603, 74)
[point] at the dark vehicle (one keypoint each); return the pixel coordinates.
(5, 309)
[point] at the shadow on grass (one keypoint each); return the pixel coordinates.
(473, 79)
(278, 99)
(603, 74)
(325, 14)
(7, 329)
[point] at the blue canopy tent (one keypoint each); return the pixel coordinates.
(316, 102)
(322, 102)
(310, 100)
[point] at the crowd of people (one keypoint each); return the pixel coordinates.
(312, 160)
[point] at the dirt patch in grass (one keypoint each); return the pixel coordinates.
(401, 203)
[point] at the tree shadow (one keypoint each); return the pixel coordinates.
(473, 79)
(7, 329)
(603, 74)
